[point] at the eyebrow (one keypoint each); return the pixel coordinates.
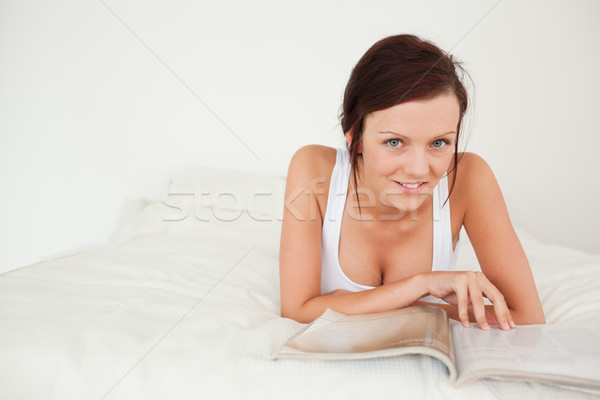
(401, 135)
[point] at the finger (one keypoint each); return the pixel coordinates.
(503, 316)
(462, 295)
(501, 310)
(478, 306)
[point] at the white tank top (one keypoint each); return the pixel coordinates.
(332, 276)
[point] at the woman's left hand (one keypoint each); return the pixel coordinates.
(489, 315)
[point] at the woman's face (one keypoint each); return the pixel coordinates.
(407, 149)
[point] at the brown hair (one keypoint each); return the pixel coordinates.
(399, 69)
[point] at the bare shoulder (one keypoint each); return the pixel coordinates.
(473, 173)
(472, 177)
(310, 167)
(313, 159)
(471, 164)
(310, 172)
(477, 189)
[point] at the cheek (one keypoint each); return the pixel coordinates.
(380, 163)
(441, 164)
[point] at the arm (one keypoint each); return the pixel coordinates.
(495, 242)
(392, 296)
(462, 286)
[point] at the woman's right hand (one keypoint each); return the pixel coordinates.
(466, 290)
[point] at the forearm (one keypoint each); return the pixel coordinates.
(391, 296)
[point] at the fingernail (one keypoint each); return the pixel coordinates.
(466, 323)
(485, 326)
(512, 324)
(505, 325)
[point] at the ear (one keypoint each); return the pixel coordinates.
(349, 135)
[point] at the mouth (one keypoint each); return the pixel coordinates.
(411, 185)
(411, 188)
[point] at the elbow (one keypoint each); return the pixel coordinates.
(529, 312)
(295, 315)
(531, 321)
(540, 320)
(531, 318)
(287, 314)
(309, 310)
(298, 318)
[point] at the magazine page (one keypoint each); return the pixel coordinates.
(556, 354)
(420, 329)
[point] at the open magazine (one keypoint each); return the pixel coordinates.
(565, 355)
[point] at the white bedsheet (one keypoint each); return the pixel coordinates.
(190, 310)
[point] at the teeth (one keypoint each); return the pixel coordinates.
(410, 185)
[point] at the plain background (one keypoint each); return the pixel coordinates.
(99, 100)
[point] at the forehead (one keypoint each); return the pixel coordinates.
(434, 116)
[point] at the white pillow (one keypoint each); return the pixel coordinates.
(206, 193)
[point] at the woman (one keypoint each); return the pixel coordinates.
(358, 222)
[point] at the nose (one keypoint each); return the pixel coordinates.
(415, 163)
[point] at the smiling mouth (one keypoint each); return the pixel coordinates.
(411, 185)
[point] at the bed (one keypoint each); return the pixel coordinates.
(183, 302)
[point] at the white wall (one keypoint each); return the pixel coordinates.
(99, 99)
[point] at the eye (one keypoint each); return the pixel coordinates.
(393, 143)
(440, 143)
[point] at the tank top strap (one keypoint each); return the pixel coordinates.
(444, 257)
(338, 187)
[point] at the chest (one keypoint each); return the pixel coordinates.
(372, 253)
